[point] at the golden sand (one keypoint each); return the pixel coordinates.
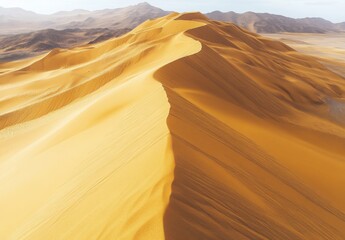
(182, 129)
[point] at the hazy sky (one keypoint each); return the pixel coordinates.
(333, 10)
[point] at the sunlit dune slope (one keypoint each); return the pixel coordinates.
(85, 149)
(258, 142)
(182, 129)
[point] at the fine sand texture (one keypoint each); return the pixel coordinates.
(182, 129)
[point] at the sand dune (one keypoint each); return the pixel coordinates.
(19, 46)
(329, 49)
(184, 128)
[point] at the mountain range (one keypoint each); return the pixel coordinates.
(271, 23)
(16, 20)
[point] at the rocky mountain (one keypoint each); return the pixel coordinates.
(16, 20)
(17, 14)
(341, 26)
(271, 23)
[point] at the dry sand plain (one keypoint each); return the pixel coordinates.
(182, 129)
(330, 45)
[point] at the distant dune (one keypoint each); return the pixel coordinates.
(325, 46)
(18, 46)
(329, 49)
(184, 128)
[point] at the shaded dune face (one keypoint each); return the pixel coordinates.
(250, 160)
(184, 128)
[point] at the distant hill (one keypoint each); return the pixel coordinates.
(341, 26)
(16, 20)
(271, 23)
(17, 14)
(14, 47)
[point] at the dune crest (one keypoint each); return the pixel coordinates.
(91, 137)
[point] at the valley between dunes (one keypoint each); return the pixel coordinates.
(184, 128)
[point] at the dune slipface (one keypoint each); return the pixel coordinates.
(182, 129)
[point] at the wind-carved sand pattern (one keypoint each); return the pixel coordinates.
(182, 129)
(337, 109)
